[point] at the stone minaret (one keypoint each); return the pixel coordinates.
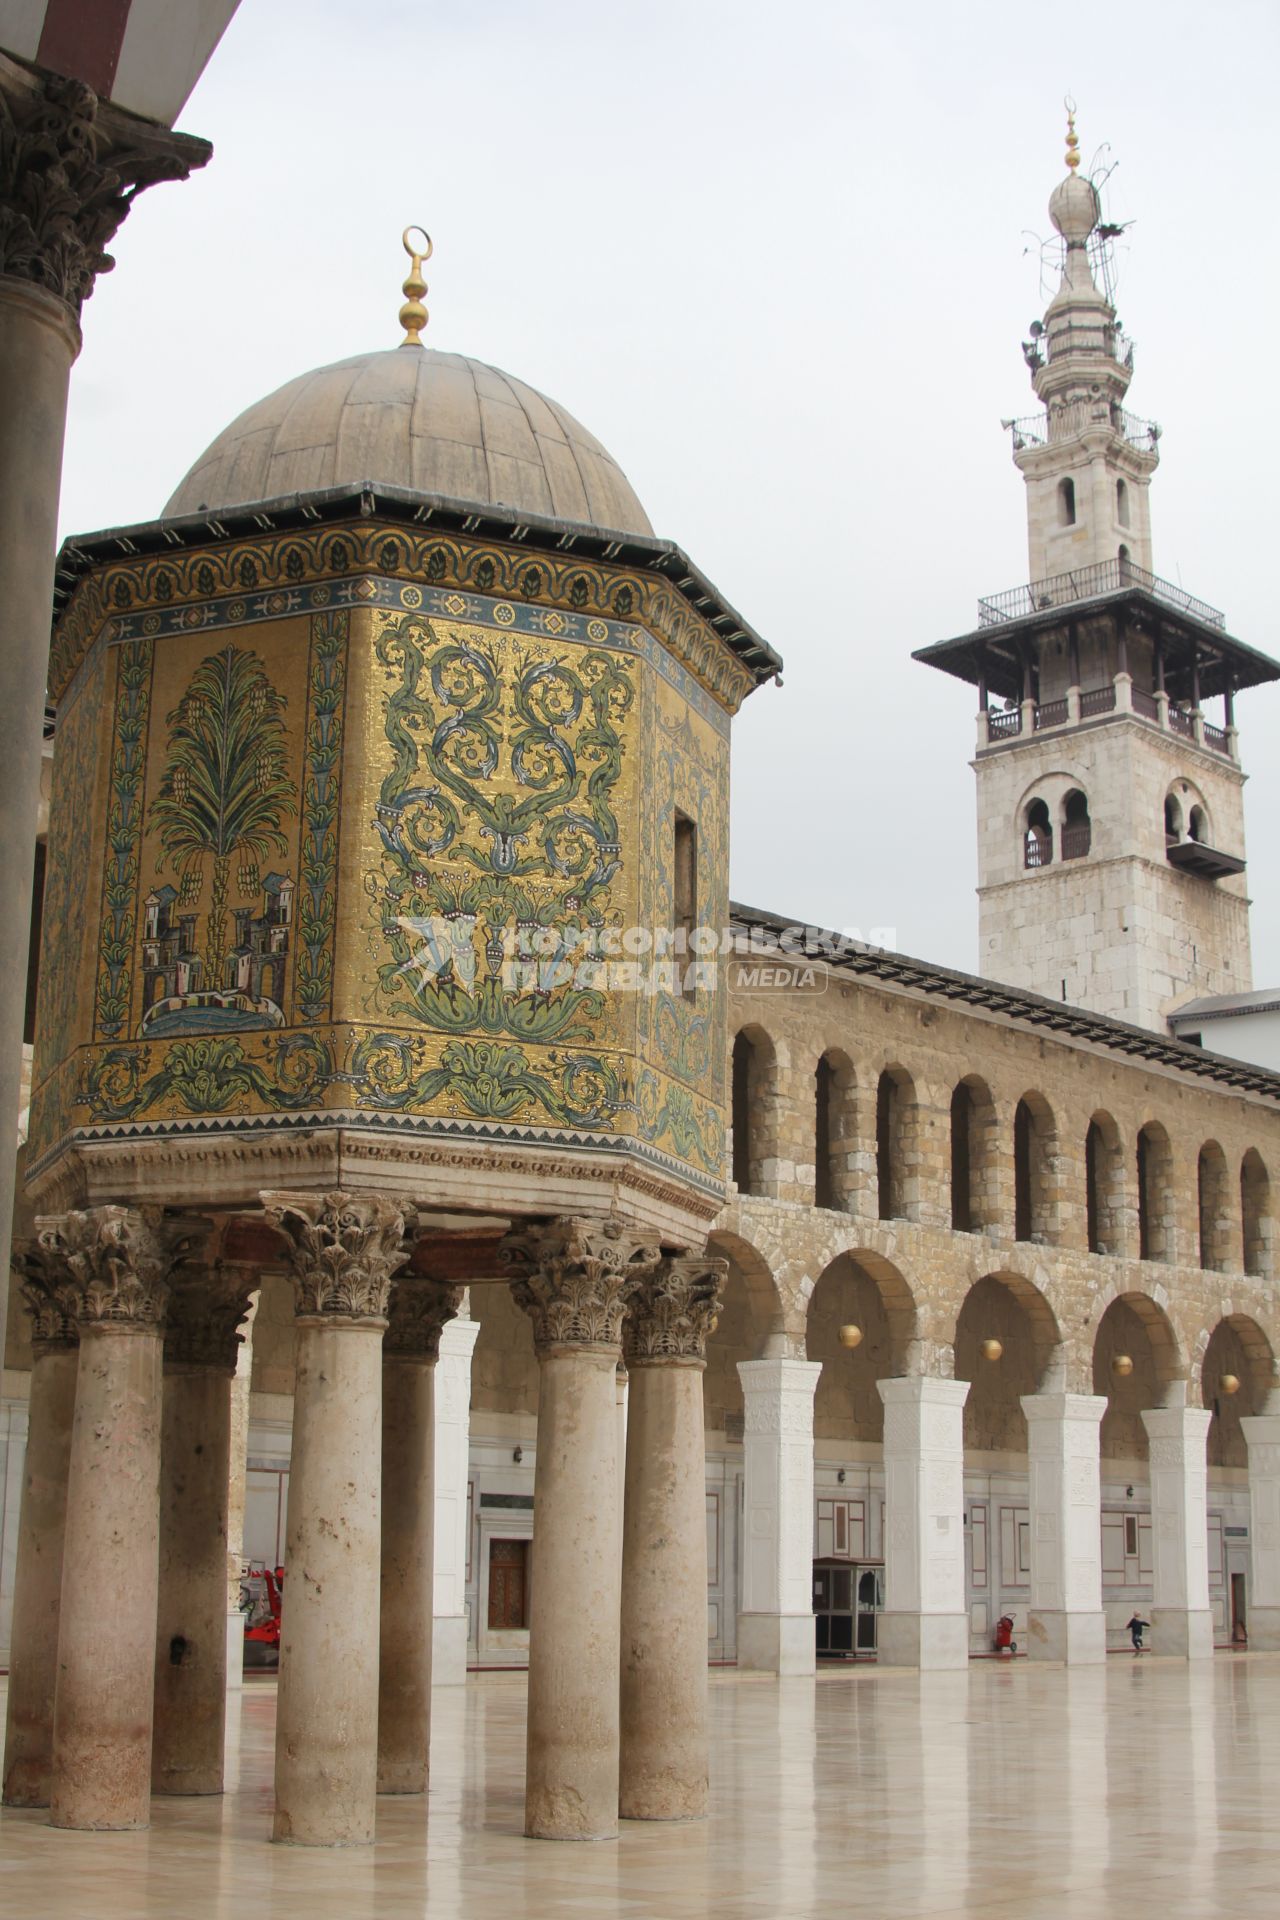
(1110, 816)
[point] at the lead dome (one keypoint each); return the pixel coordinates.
(430, 422)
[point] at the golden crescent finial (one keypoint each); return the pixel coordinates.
(1073, 145)
(413, 315)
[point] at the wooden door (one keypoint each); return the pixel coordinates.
(508, 1584)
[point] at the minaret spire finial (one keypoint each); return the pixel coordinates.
(1073, 144)
(413, 315)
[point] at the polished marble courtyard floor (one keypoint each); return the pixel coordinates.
(1145, 1788)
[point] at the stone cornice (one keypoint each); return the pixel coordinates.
(674, 1311)
(71, 166)
(344, 1250)
(574, 1278)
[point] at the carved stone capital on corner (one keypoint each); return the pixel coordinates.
(117, 1262)
(71, 166)
(420, 1312)
(344, 1250)
(46, 1293)
(574, 1279)
(206, 1307)
(674, 1311)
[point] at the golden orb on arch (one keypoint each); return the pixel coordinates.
(1122, 1366)
(850, 1336)
(1229, 1383)
(992, 1349)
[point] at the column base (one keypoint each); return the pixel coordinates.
(1076, 1639)
(781, 1643)
(1181, 1632)
(449, 1650)
(931, 1641)
(235, 1652)
(1263, 1626)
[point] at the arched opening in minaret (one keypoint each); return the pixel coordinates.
(1124, 558)
(1037, 836)
(1077, 829)
(1066, 503)
(1172, 820)
(1198, 826)
(1122, 504)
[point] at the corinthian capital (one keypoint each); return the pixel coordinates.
(45, 1282)
(343, 1250)
(574, 1279)
(117, 1261)
(71, 166)
(206, 1306)
(420, 1312)
(674, 1311)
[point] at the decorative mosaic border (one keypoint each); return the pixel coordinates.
(313, 978)
(124, 841)
(164, 585)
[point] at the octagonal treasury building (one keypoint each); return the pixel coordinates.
(371, 756)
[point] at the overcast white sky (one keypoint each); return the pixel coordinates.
(776, 258)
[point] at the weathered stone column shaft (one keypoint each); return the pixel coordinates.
(419, 1311)
(1065, 1619)
(344, 1251)
(925, 1622)
(575, 1278)
(117, 1262)
(37, 1589)
(452, 1472)
(663, 1772)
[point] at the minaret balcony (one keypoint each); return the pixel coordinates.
(1059, 424)
(1107, 643)
(1087, 583)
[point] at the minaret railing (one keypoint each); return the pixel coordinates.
(1088, 583)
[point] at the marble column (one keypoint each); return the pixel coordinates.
(1181, 1622)
(775, 1626)
(70, 166)
(410, 1349)
(206, 1306)
(1065, 1620)
(119, 1261)
(1262, 1435)
(344, 1251)
(453, 1476)
(37, 1587)
(663, 1774)
(925, 1622)
(574, 1278)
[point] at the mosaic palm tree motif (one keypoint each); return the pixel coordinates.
(225, 786)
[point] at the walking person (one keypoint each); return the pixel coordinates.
(1135, 1629)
